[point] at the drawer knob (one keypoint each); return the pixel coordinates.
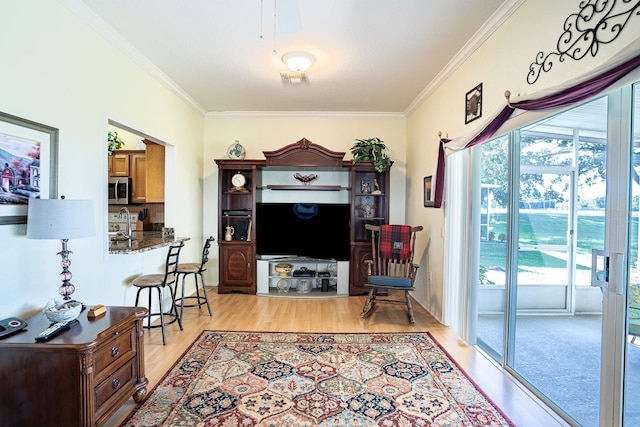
(115, 351)
(116, 383)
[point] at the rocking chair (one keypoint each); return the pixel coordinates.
(392, 266)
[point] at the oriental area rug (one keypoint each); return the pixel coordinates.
(244, 379)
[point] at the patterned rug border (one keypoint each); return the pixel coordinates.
(207, 331)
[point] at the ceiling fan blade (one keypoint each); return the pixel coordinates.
(288, 16)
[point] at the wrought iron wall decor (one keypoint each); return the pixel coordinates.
(597, 22)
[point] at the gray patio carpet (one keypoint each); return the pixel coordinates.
(560, 356)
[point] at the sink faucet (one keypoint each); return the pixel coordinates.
(129, 233)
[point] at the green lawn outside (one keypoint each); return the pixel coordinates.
(547, 228)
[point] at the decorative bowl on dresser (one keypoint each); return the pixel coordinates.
(79, 377)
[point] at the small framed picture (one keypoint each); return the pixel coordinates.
(473, 104)
(428, 193)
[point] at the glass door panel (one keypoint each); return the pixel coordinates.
(632, 358)
(492, 277)
(556, 337)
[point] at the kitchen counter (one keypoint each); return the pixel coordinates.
(143, 241)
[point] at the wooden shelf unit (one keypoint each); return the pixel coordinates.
(237, 266)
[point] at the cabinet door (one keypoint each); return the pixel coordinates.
(119, 164)
(237, 268)
(154, 173)
(138, 178)
(359, 254)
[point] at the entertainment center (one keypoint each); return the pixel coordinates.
(303, 205)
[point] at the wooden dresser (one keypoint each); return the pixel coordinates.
(80, 377)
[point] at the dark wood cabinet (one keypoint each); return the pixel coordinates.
(360, 253)
(368, 196)
(237, 268)
(80, 377)
(237, 205)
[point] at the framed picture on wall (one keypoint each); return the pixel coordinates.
(28, 166)
(428, 192)
(473, 104)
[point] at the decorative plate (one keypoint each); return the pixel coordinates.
(236, 151)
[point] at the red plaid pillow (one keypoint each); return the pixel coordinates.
(395, 242)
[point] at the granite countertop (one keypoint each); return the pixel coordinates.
(143, 241)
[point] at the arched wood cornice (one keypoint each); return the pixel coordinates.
(304, 153)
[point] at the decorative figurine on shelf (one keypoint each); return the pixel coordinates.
(365, 187)
(367, 208)
(283, 270)
(228, 233)
(377, 190)
(305, 179)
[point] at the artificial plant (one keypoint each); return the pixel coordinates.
(114, 142)
(371, 149)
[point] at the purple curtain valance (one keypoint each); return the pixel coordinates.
(572, 93)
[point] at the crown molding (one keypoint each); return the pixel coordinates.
(101, 27)
(319, 114)
(489, 27)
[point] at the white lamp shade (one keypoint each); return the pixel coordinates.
(298, 61)
(60, 219)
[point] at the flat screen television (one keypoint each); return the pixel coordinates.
(315, 230)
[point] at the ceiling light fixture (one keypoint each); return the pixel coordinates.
(298, 61)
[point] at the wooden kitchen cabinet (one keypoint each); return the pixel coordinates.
(154, 176)
(80, 377)
(146, 170)
(119, 164)
(138, 166)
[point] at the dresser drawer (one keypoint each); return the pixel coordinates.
(117, 381)
(115, 351)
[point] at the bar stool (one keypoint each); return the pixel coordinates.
(195, 268)
(158, 282)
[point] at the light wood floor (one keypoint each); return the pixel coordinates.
(235, 312)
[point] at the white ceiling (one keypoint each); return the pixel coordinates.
(371, 55)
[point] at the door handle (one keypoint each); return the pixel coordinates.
(607, 271)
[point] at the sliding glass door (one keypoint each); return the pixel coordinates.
(549, 194)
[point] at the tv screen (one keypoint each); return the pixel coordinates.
(315, 230)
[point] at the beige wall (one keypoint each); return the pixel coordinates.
(500, 64)
(57, 71)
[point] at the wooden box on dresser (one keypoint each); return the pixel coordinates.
(79, 377)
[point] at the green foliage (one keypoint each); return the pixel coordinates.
(492, 235)
(371, 149)
(502, 237)
(484, 281)
(114, 142)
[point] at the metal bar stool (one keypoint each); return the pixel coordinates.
(158, 282)
(195, 268)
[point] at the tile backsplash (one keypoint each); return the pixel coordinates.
(155, 215)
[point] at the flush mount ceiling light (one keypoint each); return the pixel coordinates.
(298, 61)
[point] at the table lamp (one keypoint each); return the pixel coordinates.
(61, 219)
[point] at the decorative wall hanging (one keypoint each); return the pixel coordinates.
(428, 194)
(597, 22)
(29, 169)
(473, 104)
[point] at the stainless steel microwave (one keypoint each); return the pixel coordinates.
(119, 190)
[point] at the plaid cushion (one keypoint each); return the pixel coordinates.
(398, 282)
(395, 242)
